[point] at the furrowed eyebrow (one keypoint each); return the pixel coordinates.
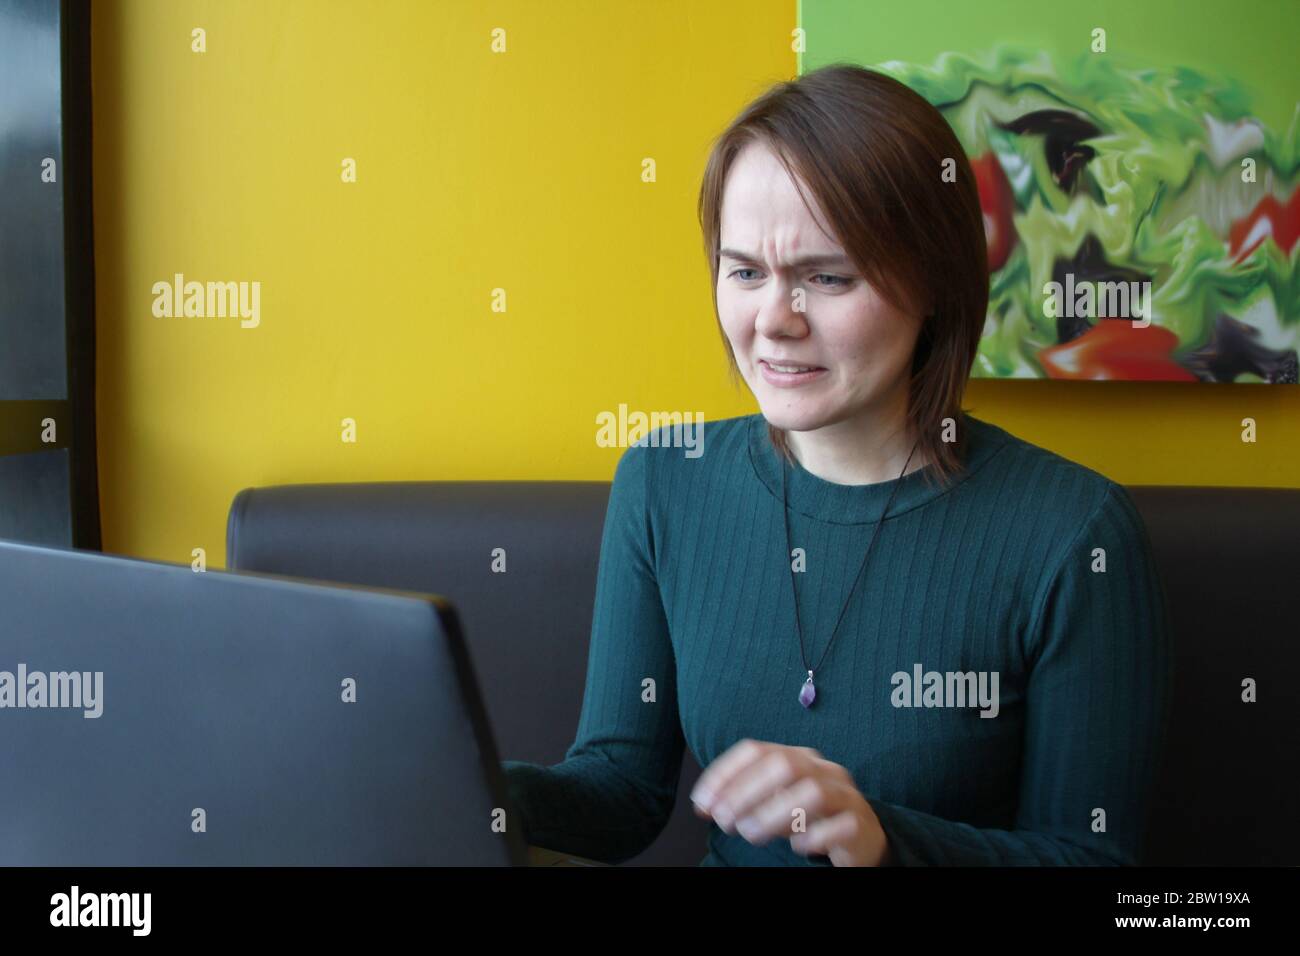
(826, 259)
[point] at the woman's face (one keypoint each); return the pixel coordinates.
(773, 252)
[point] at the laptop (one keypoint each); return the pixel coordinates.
(151, 715)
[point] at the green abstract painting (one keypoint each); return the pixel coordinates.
(1136, 166)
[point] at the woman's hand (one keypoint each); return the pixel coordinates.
(764, 790)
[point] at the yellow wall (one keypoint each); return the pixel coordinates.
(476, 171)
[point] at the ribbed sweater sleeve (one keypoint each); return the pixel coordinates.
(1096, 706)
(615, 789)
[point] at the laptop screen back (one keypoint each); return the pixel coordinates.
(153, 715)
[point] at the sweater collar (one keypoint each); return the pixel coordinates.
(816, 497)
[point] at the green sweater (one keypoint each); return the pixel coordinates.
(999, 573)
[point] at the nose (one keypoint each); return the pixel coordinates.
(777, 317)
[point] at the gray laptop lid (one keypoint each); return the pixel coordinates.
(226, 731)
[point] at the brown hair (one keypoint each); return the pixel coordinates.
(872, 151)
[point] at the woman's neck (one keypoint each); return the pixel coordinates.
(864, 450)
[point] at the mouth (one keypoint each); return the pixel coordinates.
(789, 375)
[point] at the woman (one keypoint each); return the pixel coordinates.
(890, 633)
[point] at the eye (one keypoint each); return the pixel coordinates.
(836, 280)
(737, 272)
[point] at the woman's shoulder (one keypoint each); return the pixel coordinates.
(1059, 496)
(688, 442)
(1041, 473)
(683, 461)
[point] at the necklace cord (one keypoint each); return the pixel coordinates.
(794, 595)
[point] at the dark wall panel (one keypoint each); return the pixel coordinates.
(34, 493)
(48, 489)
(33, 347)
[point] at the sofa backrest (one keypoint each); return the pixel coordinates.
(528, 629)
(1226, 789)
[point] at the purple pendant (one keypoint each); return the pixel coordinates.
(808, 693)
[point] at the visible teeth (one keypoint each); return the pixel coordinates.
(790, 368)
